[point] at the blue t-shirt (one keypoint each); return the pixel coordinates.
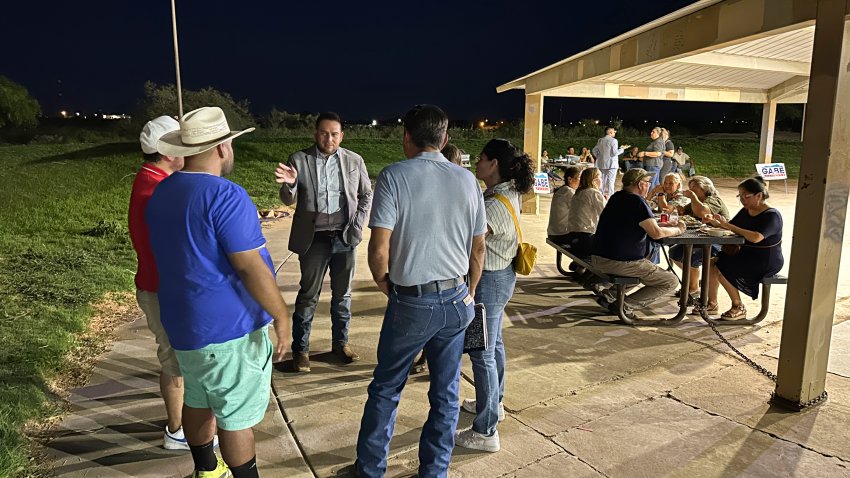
(434, 208)
(618, 235)
(195, 221)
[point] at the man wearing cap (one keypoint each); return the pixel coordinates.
(607, 152)
(426, 253)
(620, 243)
(156, 167)
(333, 192)
(217, 294)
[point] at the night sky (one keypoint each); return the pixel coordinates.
(369, 59)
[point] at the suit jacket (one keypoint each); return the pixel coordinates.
(358, 197)
(606, 151)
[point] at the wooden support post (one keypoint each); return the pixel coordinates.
(822, 195)
(532, 144)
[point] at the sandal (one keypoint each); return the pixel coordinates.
(709, 309)
(736, 312)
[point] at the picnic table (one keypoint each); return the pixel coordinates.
(689, 239)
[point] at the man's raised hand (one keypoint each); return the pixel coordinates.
(285, 174)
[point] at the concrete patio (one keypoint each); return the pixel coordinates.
(586, 396)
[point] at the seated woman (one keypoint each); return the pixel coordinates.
(585, 208)
(631, 159)
(705, 202)
(560, 210)
(586, 156)
(760, 256)
(668, 195)
(547, 166)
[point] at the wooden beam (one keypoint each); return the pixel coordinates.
(821, 211)
(748, 63)
(789, 87)
(638, 91)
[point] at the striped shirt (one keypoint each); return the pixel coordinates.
(502, 242)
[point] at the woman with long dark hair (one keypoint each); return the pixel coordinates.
(507, 173)
(760, 256)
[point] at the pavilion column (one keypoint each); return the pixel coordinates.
(768, 125)
(822, 196)
(532, 142)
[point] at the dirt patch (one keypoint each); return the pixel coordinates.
(112, 311)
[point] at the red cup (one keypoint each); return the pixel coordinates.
(663, 217)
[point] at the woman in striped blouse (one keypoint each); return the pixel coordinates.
(507, 173)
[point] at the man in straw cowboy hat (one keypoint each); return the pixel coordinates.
(217, 294)
(156, 167)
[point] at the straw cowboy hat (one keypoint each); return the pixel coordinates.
(200, 130)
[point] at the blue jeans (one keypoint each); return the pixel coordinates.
(488, 366)
(436, 323)
(656, 180)
(324, 253)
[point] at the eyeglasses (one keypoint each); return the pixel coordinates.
(647, 181)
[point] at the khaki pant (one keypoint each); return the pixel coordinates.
(149, 303)
(657, 282)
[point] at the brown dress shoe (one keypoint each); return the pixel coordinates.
(300, 362)
(346, 354)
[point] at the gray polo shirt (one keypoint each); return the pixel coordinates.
(434, 208)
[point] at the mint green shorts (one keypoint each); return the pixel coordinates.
(232, 379)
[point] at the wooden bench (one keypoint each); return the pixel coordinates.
(765, 302)
(620, 282)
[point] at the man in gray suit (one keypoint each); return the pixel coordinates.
(334, 195)
(607, 151)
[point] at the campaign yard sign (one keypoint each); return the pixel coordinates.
(541, 183)
(772, 171)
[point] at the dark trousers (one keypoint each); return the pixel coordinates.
(325, 253)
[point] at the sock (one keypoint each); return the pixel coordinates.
(204, 457)
(246, 470)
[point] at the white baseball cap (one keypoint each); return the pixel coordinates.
(155, 129)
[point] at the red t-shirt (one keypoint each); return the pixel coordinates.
(146, 180)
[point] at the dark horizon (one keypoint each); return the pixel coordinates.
(364, 61)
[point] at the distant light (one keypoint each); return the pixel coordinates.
(596, 122)
(481, 124)
(78, 113)
(644, 121)
(63, 113)
(399, 120)
(721, 121)
(374, 122)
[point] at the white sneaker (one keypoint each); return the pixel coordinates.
(177, 440)
(468, 405)
(469, 438)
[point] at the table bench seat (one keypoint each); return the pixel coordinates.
(620, 282)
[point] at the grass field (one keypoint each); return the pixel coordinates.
(64, 244)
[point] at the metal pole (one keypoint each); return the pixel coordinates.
(177, 60)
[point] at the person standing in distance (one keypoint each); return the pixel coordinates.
(607, 152)
(426, 254)
(333, 192)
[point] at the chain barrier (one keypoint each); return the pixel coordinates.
(752, 363)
